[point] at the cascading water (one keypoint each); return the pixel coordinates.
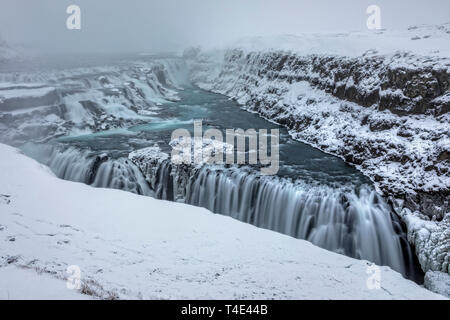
(357, 223)
(96, 170)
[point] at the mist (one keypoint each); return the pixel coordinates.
(171, 25)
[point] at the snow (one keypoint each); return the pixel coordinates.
(134, 247)
(438, 282)
(26, 284)
(432, 242)
(424, 40)
(199, 151)
(153, 152)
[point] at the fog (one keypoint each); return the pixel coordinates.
(168, 25)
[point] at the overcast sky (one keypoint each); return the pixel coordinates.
(163, 25)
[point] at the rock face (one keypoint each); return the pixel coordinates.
(388, 114)
(432, 241)
(388, 119)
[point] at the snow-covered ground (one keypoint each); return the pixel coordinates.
(420, 39)
(130, 246)
(18, 283)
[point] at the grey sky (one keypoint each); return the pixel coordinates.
(155, 25)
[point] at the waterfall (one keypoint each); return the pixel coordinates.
(356, 223)
(163, 184)
(96, 170)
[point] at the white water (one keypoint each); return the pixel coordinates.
(97, 171)
(357, 225)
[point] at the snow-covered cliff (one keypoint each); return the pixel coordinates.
(378, 100)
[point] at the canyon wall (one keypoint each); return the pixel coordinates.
(387, 114)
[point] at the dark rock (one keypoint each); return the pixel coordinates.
(381, 125)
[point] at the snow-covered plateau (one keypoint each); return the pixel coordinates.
(379, 100)
(136, 247)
